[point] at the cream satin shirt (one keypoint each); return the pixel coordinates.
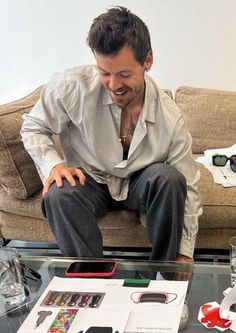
(78, 108)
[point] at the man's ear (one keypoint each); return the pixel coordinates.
(148, 61)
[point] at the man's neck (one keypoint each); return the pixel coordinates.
(134, 108)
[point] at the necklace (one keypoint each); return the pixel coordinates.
(129, 131)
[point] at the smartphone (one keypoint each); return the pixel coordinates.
(104, 268)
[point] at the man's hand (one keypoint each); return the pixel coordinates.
(184, 260)
(61, 171)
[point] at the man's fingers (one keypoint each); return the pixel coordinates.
(60, 172)
(49, 182)
(58, 181)
(63, 172)
(45, 190)
(183, 276)
(79, 174)
(70, 178)
(46, 186)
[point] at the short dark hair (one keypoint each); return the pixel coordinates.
(116, 28)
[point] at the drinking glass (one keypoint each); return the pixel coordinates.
(11, 285)
(232, 254)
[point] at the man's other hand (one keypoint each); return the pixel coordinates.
(184, 260)
(61, 171)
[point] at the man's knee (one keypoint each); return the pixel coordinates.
(58, 194)
(166, 173)
(175, 177)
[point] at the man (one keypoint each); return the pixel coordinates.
(124, 142)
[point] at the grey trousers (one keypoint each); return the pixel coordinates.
(159, 191)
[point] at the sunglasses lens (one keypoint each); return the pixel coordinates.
(153, 297)
(233, 164)
(219, 160)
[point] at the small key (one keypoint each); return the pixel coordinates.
(52, 298)
(95, 301)
(74, 299)
(63, 299)
(42, 316)
(84, 301)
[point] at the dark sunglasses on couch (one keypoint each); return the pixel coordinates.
(221, 160)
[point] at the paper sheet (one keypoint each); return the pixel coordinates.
(118, 308)
(221, 175)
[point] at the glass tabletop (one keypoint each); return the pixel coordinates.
(206, 284)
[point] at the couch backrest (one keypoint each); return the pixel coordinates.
(18, 175)
(210, 116)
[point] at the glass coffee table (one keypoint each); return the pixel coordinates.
(207, 281)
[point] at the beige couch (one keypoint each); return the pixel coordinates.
(211, 119)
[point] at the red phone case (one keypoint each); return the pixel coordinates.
(93, 274)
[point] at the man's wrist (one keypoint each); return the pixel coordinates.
(183, 258)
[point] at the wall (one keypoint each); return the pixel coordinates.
(194, 41)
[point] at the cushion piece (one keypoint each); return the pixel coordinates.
(18, 175)
(210, 116)
(114, 220)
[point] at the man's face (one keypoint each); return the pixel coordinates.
(123, 76)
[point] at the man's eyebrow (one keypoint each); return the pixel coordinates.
(122, 71)
(101, 69)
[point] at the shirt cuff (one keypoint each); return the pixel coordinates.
(187, 247)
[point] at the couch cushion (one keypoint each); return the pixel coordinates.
(23, 220)
(18, 175)
(114, 220)
(210, 116)
(33, 229)
(27, 208)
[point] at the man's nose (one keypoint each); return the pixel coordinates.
(114, 83)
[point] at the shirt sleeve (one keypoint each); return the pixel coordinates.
(48, 117)
(181, 158)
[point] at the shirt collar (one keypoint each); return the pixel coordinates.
(149, 106)
(106, 100)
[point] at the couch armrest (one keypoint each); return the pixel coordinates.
(18, 175)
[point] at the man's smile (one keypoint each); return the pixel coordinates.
(120, 93)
